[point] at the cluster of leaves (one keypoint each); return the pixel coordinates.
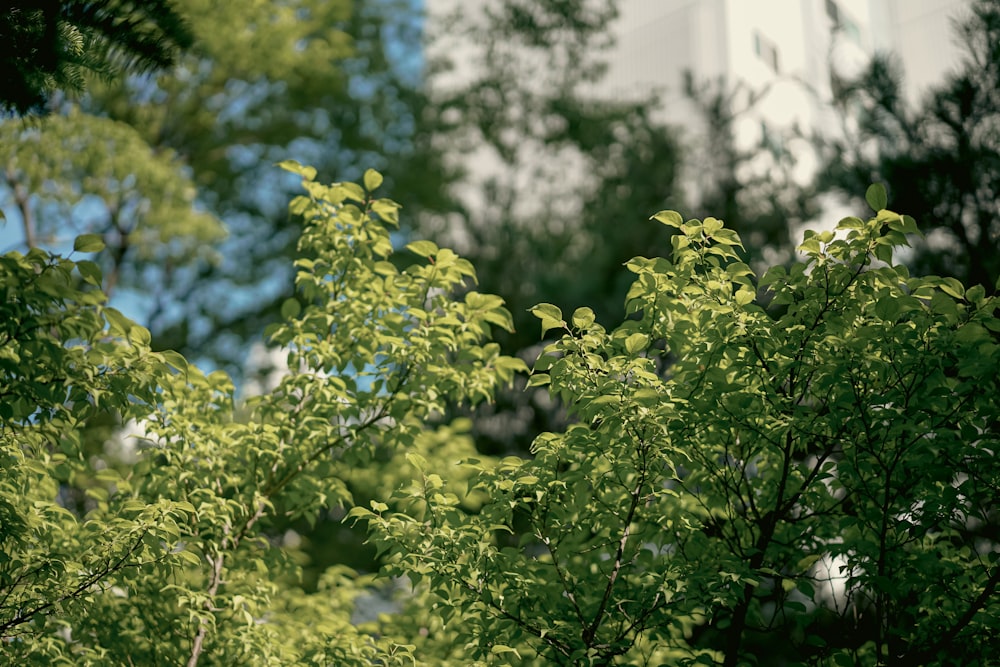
(65, 357)
(168, 559)
(737, 471)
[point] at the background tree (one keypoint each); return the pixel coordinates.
(751, 186)
(939, 158)
(551, 169)
(513, 83)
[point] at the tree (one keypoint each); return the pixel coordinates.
(823, 460)
(172, 169)
(81, 173)
(51, 46)
(168, 562)
(564, 164)
(328, 82)
(940, 157)
(735, 469)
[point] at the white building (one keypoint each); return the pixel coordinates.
(920, 33)
(788, 48)
(787, 51)
(782, 46)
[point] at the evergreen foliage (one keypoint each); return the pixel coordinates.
(51, 45)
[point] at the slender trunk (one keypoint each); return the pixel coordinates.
(21, 199)
(737, 626)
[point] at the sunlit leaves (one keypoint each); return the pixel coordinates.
(375, 354)
(731, 444)
(732, 438)
(550, 316)
(876, 197)
(423, 248)
(372, 180)
(293, 166)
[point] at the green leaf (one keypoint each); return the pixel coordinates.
(290, 308)
(546, 310)
(189, 557)
(140, 335)
(973, 333)
(423, 248)
(340, 192)
(90, 271)
(904, 224)
(636, 343)
(372, 180)
(387, 210)
(876, 197)
(883, 252)
(952, 287)
(976, 294)
(887, 308)
(299, 205)
(119, 323)
(308, 173)
(851, 222)
(550, 316)
(88, 243)
(669, 218)
(175, 360)
(744, 296)
(539, 380)
(583, 317)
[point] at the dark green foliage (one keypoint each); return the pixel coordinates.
(50, 45)
(941, 159)
(737, 481)
(820, 473)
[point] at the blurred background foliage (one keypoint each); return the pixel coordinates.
(940, 159)
(157, 126)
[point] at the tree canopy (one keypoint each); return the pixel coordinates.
(791, 454)
(781, 459)
(327, 82)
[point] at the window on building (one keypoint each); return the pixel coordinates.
(833, 11)
(771, 140)
(842, 22)
(766, 50)
(850, 28)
